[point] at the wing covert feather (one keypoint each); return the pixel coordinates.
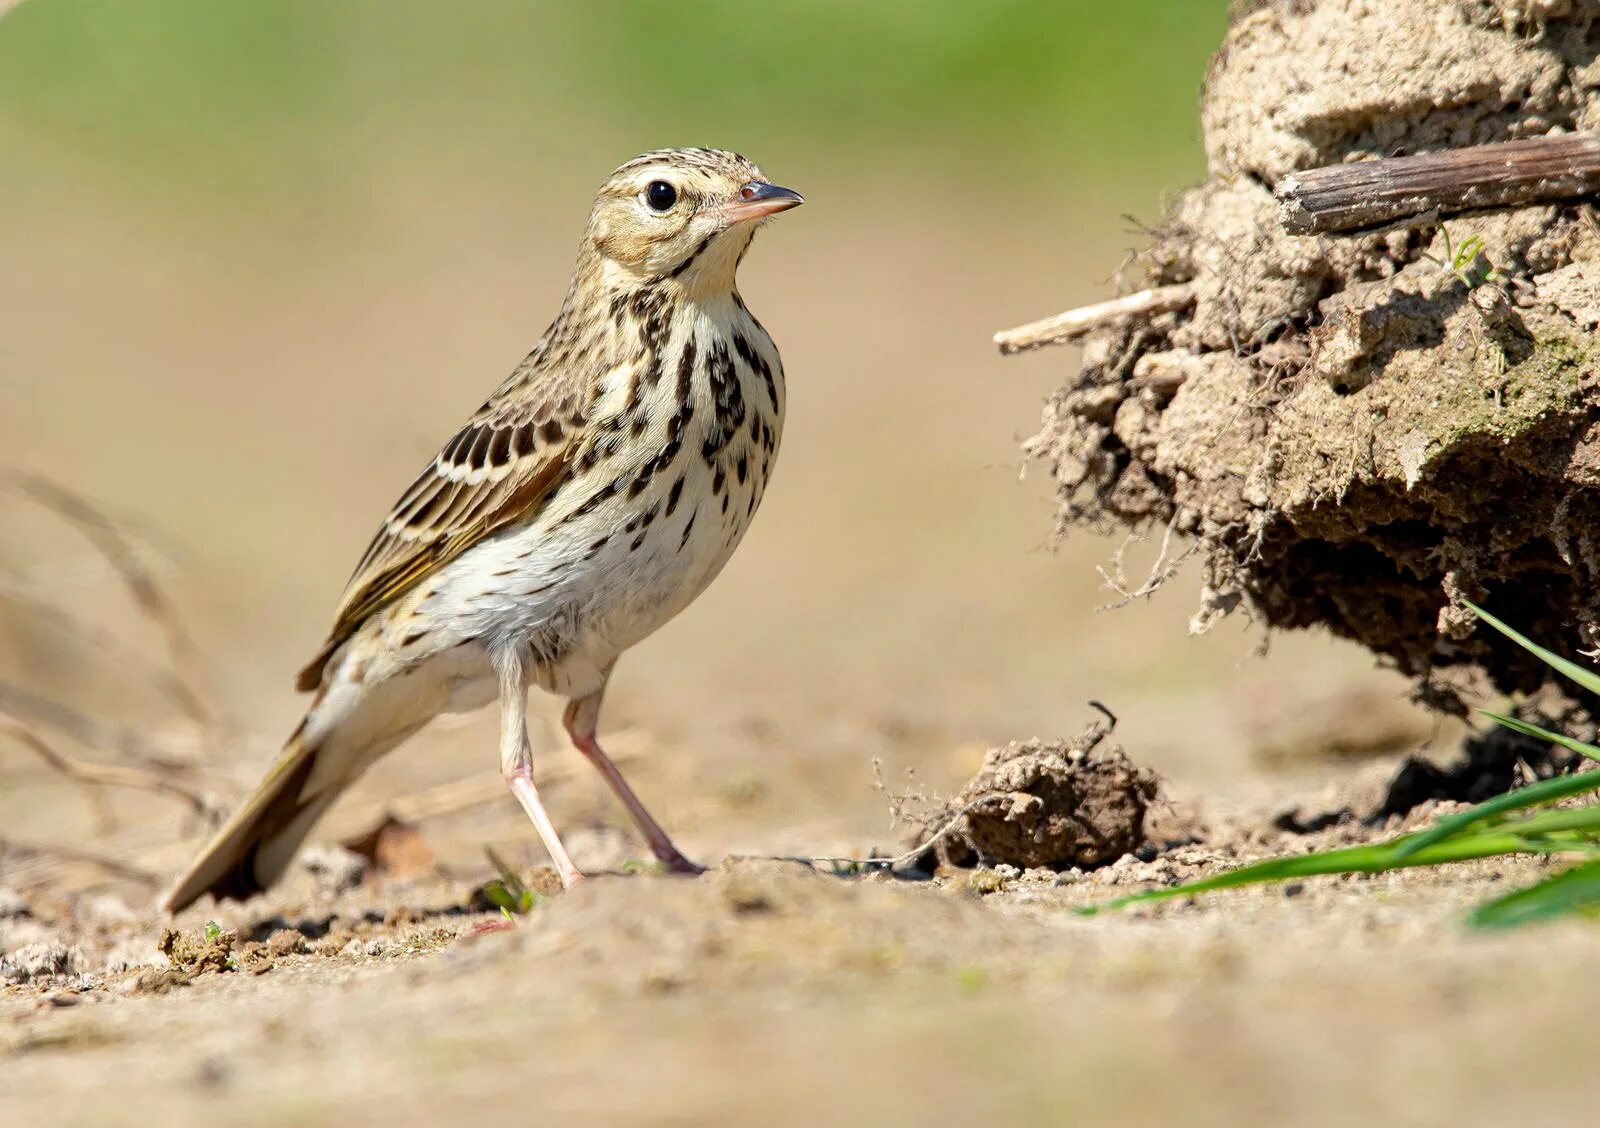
(497, 470)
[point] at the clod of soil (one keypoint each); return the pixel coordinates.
(1049, 803)
(1364, 432)
(209, 949)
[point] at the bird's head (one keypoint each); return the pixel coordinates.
(682, 214)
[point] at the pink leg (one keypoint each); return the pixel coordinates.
(516, 763)
(581, 719)
(520, 781)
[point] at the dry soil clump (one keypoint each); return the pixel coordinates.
(1049, 804)
(1361, 432)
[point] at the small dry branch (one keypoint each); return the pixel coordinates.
(1076, 322)
(152, 601)
(105, 775)
(129, 743)
(57, 855)
(1347, 197)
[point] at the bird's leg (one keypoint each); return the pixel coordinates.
(516, 760)
(581, 719)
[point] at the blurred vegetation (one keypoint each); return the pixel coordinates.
(221, 95)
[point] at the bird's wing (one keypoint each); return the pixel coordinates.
(499, 469)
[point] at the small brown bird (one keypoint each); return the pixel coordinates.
(597, 492)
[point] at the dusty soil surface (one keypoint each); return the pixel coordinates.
(1363, 432)
(769, 991)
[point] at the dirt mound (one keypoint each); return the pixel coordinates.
(1363, 431)
(1048, 803)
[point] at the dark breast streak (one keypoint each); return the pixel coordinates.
(724, 400)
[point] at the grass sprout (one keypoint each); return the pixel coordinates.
(508, 892)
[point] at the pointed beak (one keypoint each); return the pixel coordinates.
(758, 199)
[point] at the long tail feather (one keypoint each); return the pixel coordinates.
(255, 846)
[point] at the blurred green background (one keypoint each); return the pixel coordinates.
(260, 257)
(189, 98)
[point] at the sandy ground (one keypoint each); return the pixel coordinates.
(767, 992)
(254, 387)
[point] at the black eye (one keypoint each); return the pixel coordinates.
(660, 195)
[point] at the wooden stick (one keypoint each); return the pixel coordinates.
(1345, 197)
(1077, 322)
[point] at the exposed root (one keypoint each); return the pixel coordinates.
(68, 855)
(1165, 568)
(133, 760)
(905, 858)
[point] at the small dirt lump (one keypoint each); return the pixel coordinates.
(1049, 803)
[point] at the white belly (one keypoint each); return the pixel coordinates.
(577, 593)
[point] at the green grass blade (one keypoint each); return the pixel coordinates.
(1564, 820)
(1352, 859)
(1576, 890)
(1535, 794)
(1538, 733)
(1586, 678)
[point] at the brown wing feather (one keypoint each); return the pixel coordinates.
(499, 469)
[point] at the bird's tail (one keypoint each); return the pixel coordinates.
(359, 714)
(255, 846)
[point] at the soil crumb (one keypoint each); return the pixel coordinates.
(1051, 804)
(196, 953)
(1365, 432)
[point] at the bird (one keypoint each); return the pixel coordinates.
(592, 497)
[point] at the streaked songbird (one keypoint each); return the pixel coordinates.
(600, 488)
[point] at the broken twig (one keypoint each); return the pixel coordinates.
(104, 775)
(71, 855)
(1361, 194)
(1077, 322)
(148, 596)
(91, 732)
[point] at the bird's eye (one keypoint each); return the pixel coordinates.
(660, 195)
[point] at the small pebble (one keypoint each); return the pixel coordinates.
(286, 942)
(334, 868)
(40, 961)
